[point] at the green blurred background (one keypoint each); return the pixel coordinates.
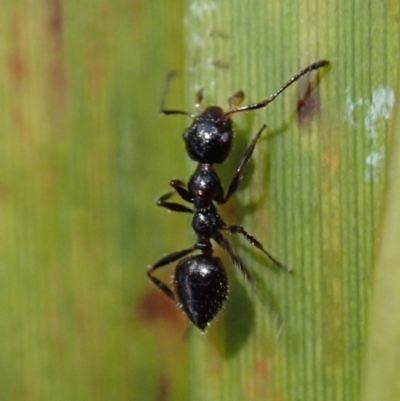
(83, 155)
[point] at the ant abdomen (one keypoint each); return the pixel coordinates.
(201, 287)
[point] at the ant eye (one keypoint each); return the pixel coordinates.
(225, 137)
(186, 134)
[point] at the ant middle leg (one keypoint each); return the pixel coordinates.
(173, 206)
(238, 175)
(236, 229)
(164, 261)
(180, 188)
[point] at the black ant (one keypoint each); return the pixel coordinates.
(200, 281)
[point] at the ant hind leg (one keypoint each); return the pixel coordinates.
(164, 261)
(236, 229)
(225, 244)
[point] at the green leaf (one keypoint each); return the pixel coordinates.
(383, 345)
(83, 155)
(312, 195)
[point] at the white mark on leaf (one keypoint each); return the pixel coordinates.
(380, 107)
(377, 109)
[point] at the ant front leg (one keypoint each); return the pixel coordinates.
(164, 261)
(238, 175)
(236, 229)
(163, 110)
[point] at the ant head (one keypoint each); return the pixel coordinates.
(209, 138)
(202, 287)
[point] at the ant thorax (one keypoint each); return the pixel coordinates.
(205, 183)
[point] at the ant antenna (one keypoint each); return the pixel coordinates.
(164, 111)
(265, 102)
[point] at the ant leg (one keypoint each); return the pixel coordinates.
(166, 260)
(175, 207)
(224, 243)
(236, 229)
(179, 187)
(265, 102)
(238, 175)
(164, 94)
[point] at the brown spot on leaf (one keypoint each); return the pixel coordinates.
(16, 63)
(163, 388)
(308, 103)
(263, 367)
(154, 307)
(56, 96)
(55, 16)
(330, 161)
(18, 68)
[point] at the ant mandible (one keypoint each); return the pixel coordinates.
(200, 281)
